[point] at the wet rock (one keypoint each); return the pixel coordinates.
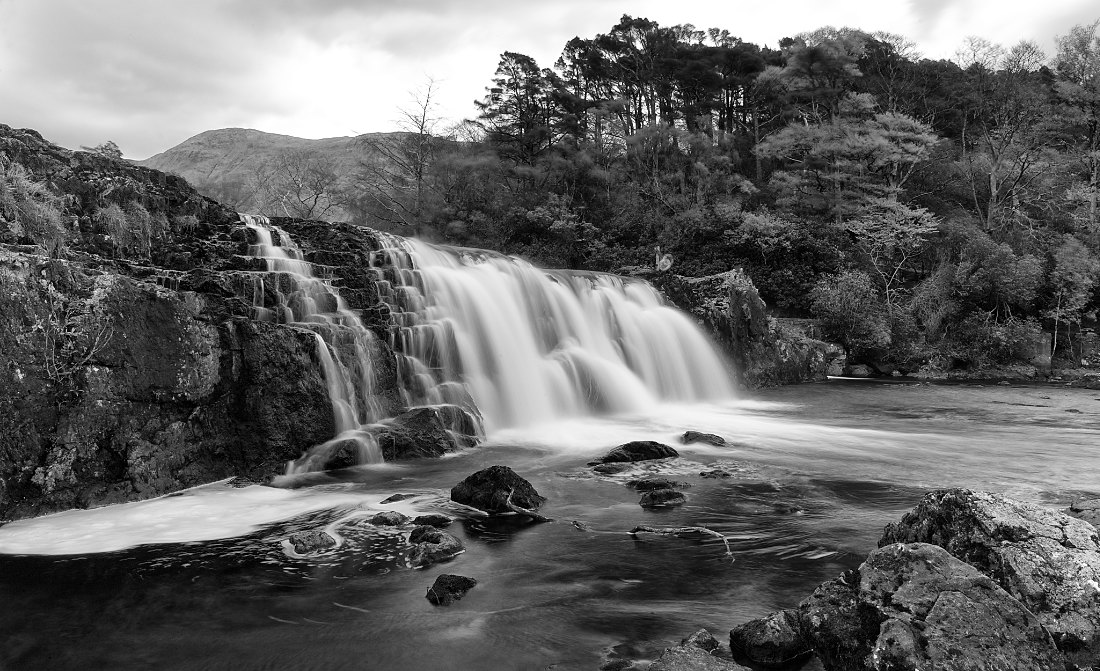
(914, 606)
(638, 450)
(430, 546)
(342, 454)
(773, 640)
(389, 518)
(702, 639)
(417, 434)
(694, 654)
(449, 588)
(617, 665)
(1086, 509)
(858, 370)
(660, 498)
(1046, 559)
(397, 497)
(715, 473)
(649, 484)
(433, 520)
(488, 490)
(311, 541)
(697, 437)
(610, 469)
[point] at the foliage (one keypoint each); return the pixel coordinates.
(30, 209)
(853, 312)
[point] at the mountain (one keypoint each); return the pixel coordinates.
(254, 171)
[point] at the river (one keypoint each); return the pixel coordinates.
(201, 579)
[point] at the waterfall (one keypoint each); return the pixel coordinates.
(344, 344)
(508, 343)
(524, 345)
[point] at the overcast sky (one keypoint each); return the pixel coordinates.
(148, 74)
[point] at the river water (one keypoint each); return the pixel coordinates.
(202, 579)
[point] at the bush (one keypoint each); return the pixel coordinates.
(29, 209)
(852, 312)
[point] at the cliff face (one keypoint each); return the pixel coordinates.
(131, 365)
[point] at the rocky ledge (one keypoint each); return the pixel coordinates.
(966, 580)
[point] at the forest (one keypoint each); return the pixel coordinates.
(929, 212)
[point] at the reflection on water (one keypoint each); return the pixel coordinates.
(813, 473)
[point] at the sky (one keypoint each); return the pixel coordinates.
(148, 74)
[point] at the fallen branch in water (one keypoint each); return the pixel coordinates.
(681, 532)
(523, 511)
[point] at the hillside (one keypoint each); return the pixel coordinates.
(250, 170)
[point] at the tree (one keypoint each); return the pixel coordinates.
(396, 184)
(1073, 276)
(1078, 66)
(851, 311)
(298, 184)
(520, 114)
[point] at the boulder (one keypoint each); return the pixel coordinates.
(489, 488)
(310, 541)
(449, 588)
(389, 518)
(433, 520)
(649, 484)
(914, 606)
(638, 450)
(772, 640)
(416, 434)
(1086, 509)
(660, 498)
(394, 498)
(697, 437)
(694, 654)
(1046, 559)
(430, 545)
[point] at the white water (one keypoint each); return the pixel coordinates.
(526, 345)
(344, 344)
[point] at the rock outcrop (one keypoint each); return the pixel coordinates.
(966, 580)
(730, 308)
(1047, 560)
(638, 450)
(132, 365)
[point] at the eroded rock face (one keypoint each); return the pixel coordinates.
(489, 488)
(1046, 559)
(914, 606)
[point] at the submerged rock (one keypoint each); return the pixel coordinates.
(311, 541)
(914, 606)
(659, 498)
(772, 640)
(449, 588)
(430, 545)
(610, 469)
(697, 437)
(394, 498)
(1046, 559)
(694, 654)
(389, 518)
(1087, 509)
(433, 520)
(638, 450)
(649, 484)
(489, 488)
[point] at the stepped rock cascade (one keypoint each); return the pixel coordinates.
(344, 345)
(523, 345)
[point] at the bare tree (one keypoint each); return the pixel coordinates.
(297, 184)
(396, 183)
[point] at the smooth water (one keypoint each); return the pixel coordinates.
(202, 580)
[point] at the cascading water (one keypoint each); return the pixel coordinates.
(344, 344)
(525, 345)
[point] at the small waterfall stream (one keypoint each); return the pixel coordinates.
(344, 344)
(509, 343)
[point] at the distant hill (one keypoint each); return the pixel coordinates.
(254, 171)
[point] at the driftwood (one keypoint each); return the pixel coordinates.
(523, 511)
(682, 532)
